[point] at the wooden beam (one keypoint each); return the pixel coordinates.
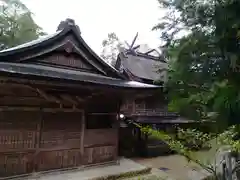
(79, 99)
(49, 98)
(7, 108)
(43, 83)
(82, 134)
(52, 84)
(134, 40)
(102, 113)
(149, 51)
(68, 98)
(38, 140)
(93, 95)
(14, 85)
(12, 89)
(136, 47)
(31, 101)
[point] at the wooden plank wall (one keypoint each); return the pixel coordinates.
(40, 141)
(34, 137)
(60, 142)
(100, 145)
(33, 141)
(17, 142)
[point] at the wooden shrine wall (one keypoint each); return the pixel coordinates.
(18, 137)
(34, 141)
(40, 141)
(47, 138)
(60, 142)
(100, 145)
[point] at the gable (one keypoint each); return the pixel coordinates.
(63, 54)
(64, 49)
(66, 61)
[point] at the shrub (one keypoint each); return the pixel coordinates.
(193, 139)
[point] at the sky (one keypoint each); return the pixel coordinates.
(97, 18)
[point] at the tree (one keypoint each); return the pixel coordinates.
(204, 62)
(16, 24)
(111, 47)
(202, 46)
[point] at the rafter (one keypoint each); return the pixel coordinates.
(134, 40)
(149, 51)
(136, 47)
(68, 98)
(79, 99)
(49, 98)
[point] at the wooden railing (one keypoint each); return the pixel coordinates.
(153, 112)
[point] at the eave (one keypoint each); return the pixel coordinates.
(51, 73)
(38, 47)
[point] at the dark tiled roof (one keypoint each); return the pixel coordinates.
(9, 55)
(143, 67)
(30, 44)
(12, 61)
(65, 74)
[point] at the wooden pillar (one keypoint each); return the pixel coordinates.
(117, 158)
(133, 105)
(37, 139)
(82, 135)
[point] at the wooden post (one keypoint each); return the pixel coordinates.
(117, 136)
(82, 135)
(133, 105)
(37, 140)
(38, 134)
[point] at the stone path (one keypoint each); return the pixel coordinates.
(175, 166)
(172, 167)
(125, 165)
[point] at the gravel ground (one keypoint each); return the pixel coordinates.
(176, 166)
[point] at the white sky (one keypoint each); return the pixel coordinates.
(97, 18)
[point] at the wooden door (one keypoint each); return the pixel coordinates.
(60, 141)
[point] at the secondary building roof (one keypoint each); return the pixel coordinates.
(142, 66)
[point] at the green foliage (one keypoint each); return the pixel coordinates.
(228, 137)
(202, 46)
(193, 138)
(111, 47)
(16, 24)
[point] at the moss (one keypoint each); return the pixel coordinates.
(124, 175)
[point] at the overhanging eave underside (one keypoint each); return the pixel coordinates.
(68, 75)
